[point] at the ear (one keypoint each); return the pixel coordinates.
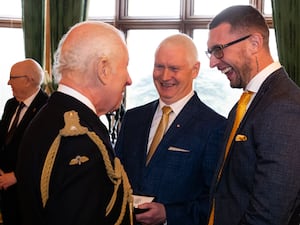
(28, 81)
(103, 70)
(196, 69)
(256, 40)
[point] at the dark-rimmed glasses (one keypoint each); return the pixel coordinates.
(217, 50)
(16, 77)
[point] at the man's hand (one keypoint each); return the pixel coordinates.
(154, 216)
(7, 179)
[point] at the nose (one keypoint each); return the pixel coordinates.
(213, 61)
(129, 81)
(165, 74)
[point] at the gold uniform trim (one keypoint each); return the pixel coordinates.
(116, 175)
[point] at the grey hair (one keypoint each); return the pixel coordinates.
(94, 48)
(182, 40)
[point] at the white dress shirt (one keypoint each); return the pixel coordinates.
(176, 109)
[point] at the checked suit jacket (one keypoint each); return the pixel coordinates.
(260, 181)
(180, 172)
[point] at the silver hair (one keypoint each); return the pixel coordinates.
(71, 60)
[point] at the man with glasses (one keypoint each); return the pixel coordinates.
(25, 80)
(257, 180)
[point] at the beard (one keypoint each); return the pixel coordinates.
(243, 74)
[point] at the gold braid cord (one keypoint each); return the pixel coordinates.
(116, 175)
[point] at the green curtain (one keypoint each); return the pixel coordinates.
(63, 14)
(286, 20)
(33, 29)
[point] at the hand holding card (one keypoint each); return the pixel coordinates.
(138, 200)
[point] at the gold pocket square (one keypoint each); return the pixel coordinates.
(240, 137)
(175, 149)
(78, 160)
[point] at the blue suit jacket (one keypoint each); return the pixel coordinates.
(180, 172)
(261, 177)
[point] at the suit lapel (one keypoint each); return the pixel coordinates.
(11, 109)
(32, 110)
(265, 87)
(182, 120)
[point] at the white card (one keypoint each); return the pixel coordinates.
(140, 199)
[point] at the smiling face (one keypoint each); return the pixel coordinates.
(237, 62)
(174, 71)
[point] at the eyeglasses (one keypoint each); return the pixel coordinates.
(217, 50)
(16, 77)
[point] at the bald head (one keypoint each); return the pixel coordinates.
(31, 69)
(25, 78)
(183, 42)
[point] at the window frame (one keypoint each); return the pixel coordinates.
(185, 23)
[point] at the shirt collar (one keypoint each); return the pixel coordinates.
(177, 106)
(29, 100)
(257, 80)
(70, 91)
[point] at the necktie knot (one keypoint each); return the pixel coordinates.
(21, 105)
(245, 98)
(166, 110)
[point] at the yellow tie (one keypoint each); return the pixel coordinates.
(160, 131)
(240, 112)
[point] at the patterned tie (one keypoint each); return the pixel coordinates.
(161, 129)
(240, 112)
(14, 124)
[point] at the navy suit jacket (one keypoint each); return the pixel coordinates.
(78, 194)
(181, 170)
(260, 182)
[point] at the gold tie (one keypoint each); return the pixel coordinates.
(160, 131)
(240, 112)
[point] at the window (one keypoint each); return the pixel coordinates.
(11, 44)
(145, 23)
(213, 7)
(154, 8)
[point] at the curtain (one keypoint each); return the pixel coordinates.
(62, 14)
(286, 20)
(33, 29)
